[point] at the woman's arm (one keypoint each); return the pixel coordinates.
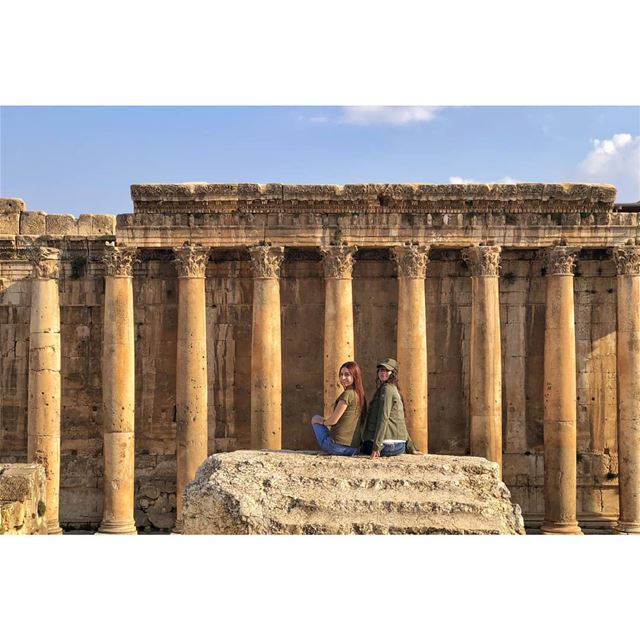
(386, 401)
(341, 407)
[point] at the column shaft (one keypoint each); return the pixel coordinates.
(560, 472)
(412, 357)
(339, 343)
(191, 370)
(485, 371)
(266, 349)
(628, 355)
(266, 366)
(412, 261)
(338, 335)
(118, 393)
(43, 421)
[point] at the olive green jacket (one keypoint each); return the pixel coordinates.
(385, 420)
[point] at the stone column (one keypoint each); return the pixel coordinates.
(627, 259)
(339, 344)
(118, 391)
(560, 394)
(43, 419)
(411, 261)
(485, 371)
(266, 348)
(191, 369)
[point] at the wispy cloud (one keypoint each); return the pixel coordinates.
(375, 116)
(460, 180)
(614, 160)
(394, 116)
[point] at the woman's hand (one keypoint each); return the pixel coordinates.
(375, 454)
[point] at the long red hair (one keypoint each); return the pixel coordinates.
(354, 370)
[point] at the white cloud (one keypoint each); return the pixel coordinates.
(460, 180)
(615, 160)
(395, 116)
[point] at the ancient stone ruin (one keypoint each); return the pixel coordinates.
(214, 318)
(265, 492)
(22, 499)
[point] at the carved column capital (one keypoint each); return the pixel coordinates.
(119, 261)
(627, 259)
(411, 260)
(45, 261)
(191, 260)
(266, 260)
(560, 260)
(483, 260)
(338, 260)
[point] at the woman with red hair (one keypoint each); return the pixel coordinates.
(339, 434)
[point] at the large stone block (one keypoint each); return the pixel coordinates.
(32, 223)
(265, 492)
(96, 224)
(22, 499)
(9, 223)
(62, 224)
(11, 205)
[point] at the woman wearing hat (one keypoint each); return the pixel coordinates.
(349, 411)
(385, 433)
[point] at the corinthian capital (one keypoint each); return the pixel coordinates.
(119, 261)
(45, 261)
(266, 260)
(560, 260)
(627, 259)
(338, 260)
(483, 260)
(411, 260)
(191, 260)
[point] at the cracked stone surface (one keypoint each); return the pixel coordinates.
(269, 492)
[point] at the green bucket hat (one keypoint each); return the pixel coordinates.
(389, 364)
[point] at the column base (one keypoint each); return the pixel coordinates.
(177, 528)
(126, 527)
(54, 529)
(566, 528)
(627, 527)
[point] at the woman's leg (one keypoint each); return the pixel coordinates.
(394, 449)
(327, 444)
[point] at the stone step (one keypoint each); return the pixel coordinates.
(294, 492)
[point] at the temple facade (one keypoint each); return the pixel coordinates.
(215, 317)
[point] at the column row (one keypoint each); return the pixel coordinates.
(485, 397)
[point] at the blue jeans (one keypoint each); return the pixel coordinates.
(327, 443)
(387, 449)
(393, 449)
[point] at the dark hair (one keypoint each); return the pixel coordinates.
(354, 370)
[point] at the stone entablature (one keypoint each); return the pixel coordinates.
(197, 197)
(370, 215)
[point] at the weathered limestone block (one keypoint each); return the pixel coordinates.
(11, 205)
(32, 223)
(22, 499)
(266, 492)
(62, 224)
(9, 223)
(96, 224)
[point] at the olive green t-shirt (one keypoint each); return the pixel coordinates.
(345, 431)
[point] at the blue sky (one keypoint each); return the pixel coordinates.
(83, 159)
